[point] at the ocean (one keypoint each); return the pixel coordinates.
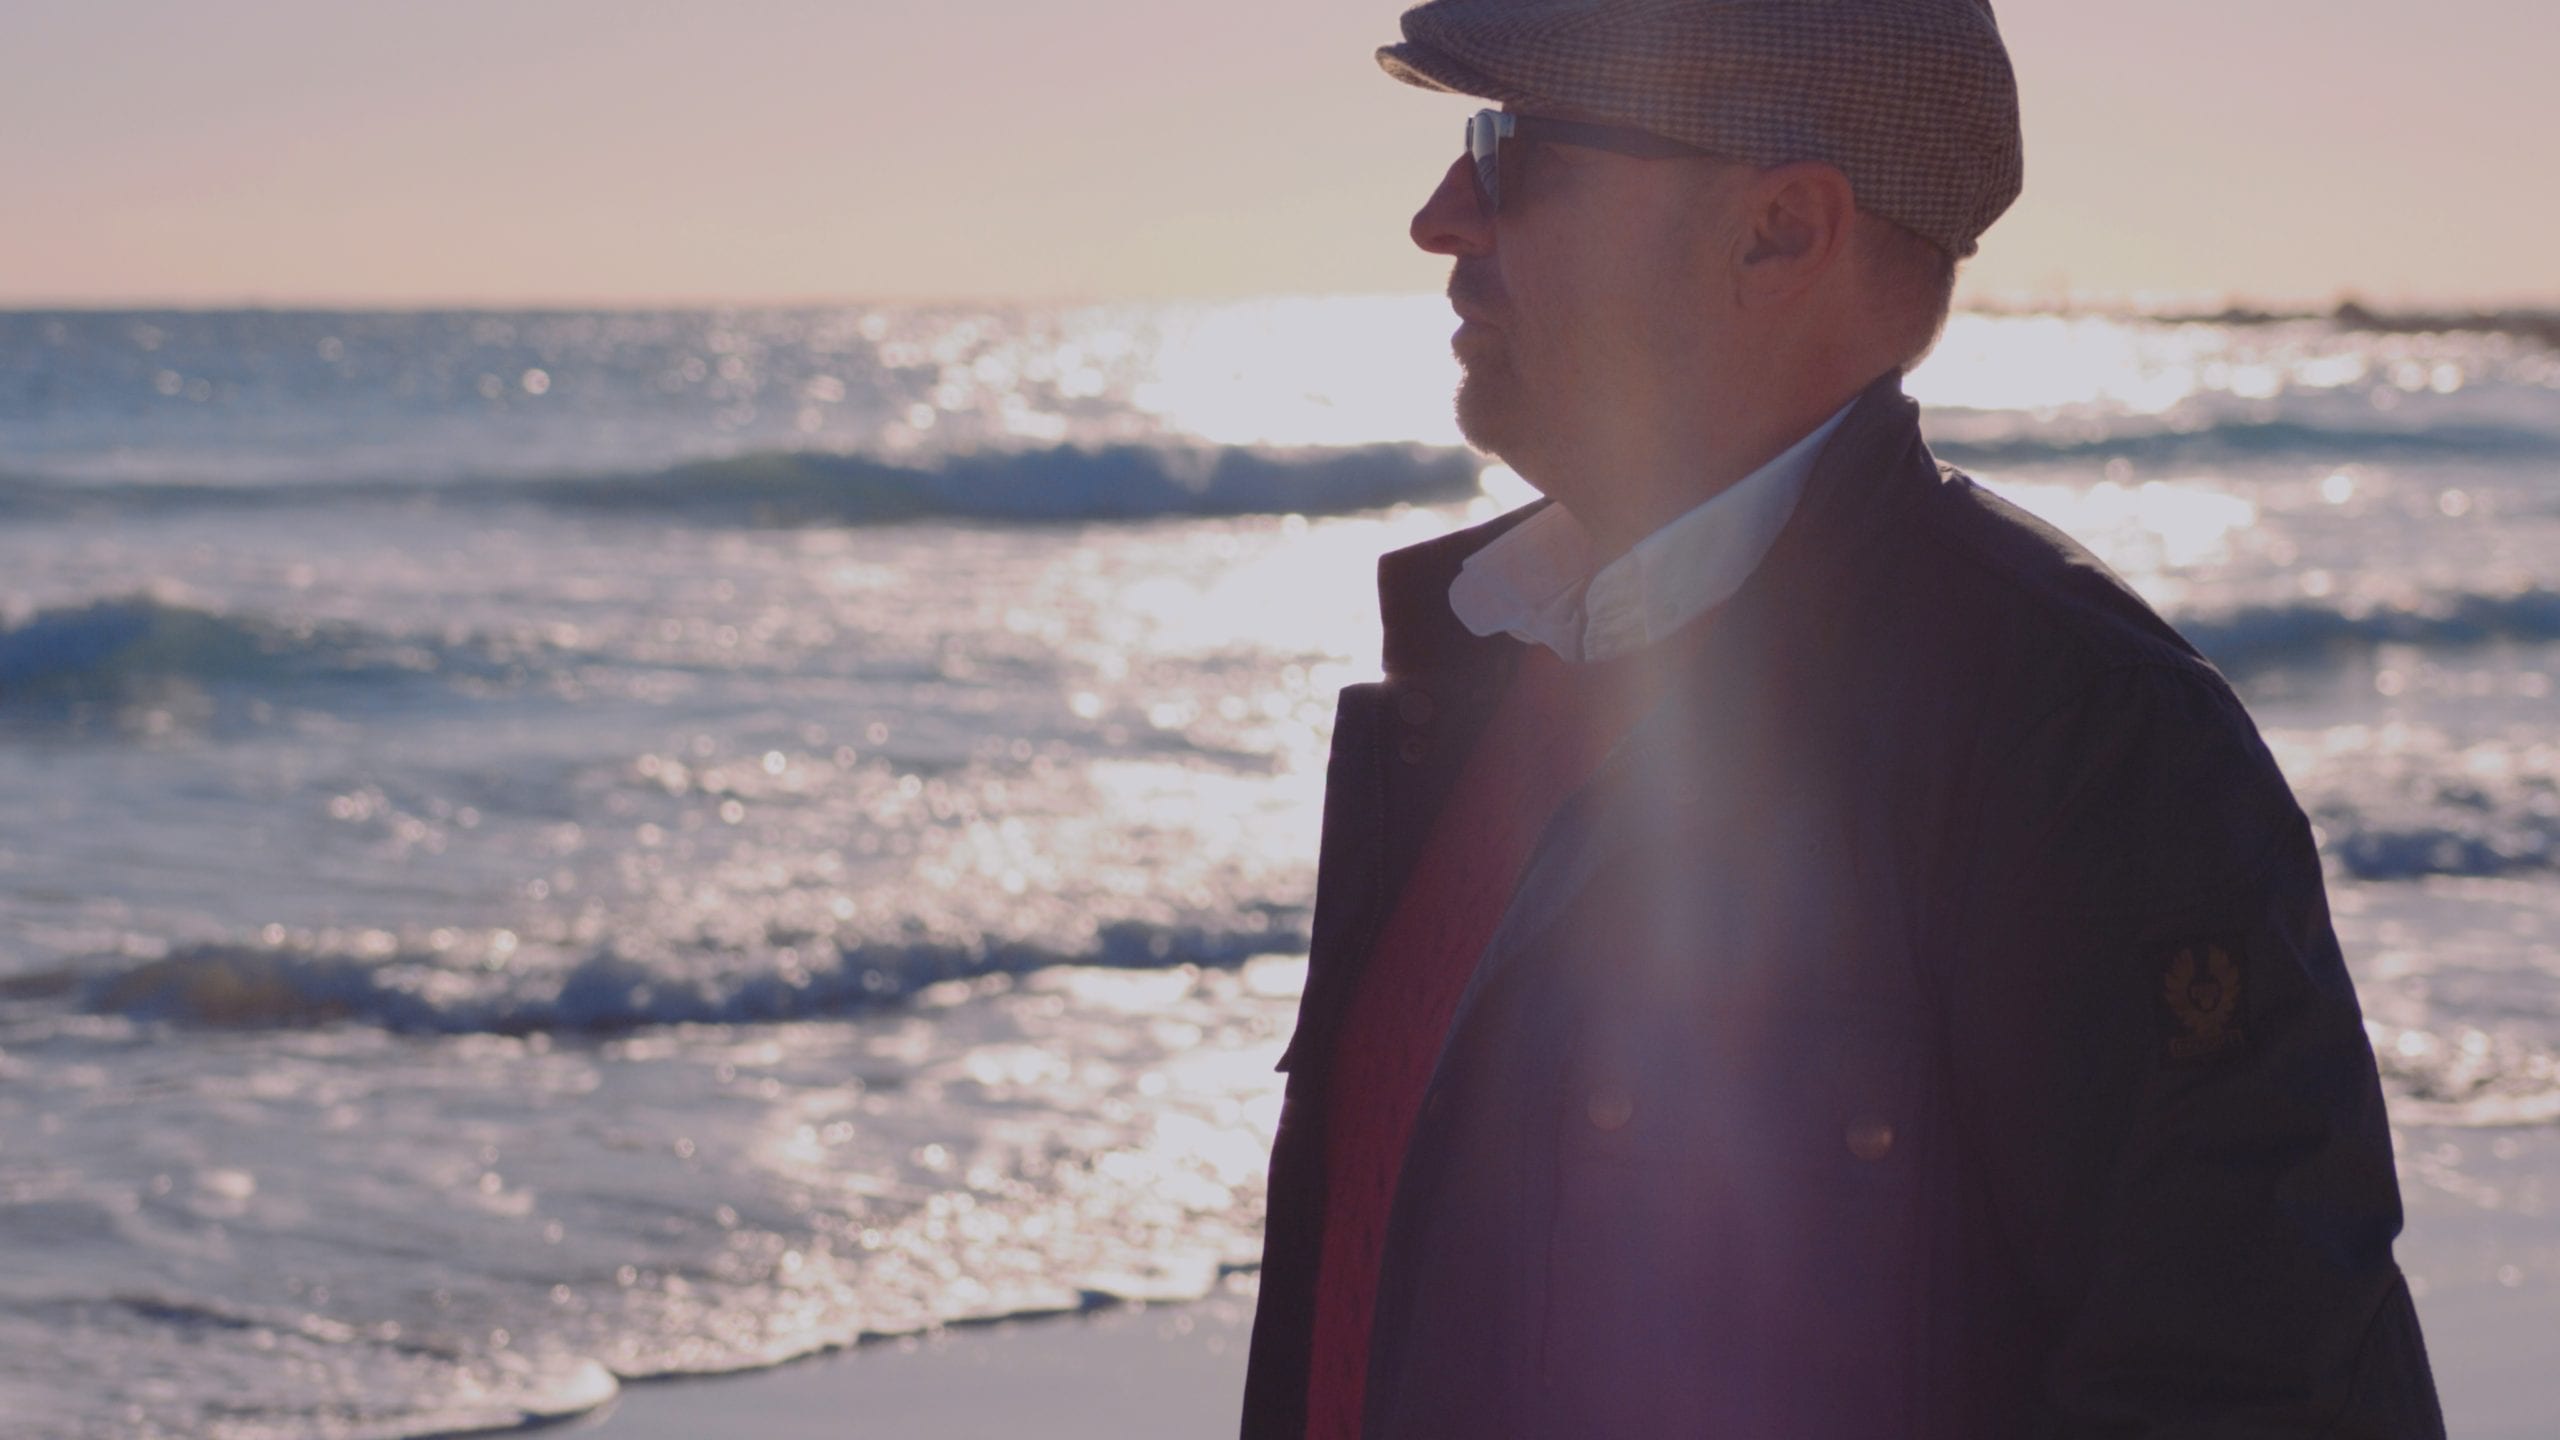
(550, 848)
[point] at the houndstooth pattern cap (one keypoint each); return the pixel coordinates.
(1913, 100)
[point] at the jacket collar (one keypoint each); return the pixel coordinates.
(1858, 480)
(1422, 632)
(1544, 581)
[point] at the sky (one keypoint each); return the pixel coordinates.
(628, 151)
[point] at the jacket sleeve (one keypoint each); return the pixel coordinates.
(2163, 1085)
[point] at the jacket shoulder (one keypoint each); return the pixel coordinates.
(1982, 628)
(1991, 570)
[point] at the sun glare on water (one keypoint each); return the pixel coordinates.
(1345, 370)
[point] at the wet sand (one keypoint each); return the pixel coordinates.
(1154, 1372)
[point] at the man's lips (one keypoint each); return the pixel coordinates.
(1474, 341)
(1468, 296)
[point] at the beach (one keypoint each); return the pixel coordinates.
(2488, 1272)
(1141, 1373)
(553, 851)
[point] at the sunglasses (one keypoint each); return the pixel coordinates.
(1487, 129)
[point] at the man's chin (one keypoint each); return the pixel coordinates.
(1489, 412)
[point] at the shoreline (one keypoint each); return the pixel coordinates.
(1140, 1371)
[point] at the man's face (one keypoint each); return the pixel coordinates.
(1589, 303)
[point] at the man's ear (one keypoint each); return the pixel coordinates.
(1799, 218)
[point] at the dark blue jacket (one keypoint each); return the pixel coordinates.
(1928, 1024)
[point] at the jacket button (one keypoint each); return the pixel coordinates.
(1412, 752)
(1611, 1109)
(1870, 1138)
(1415, 707)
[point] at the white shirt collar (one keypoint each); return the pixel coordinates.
(1537, 580)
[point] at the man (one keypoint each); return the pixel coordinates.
(1801, 951)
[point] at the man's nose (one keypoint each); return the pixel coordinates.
(1454, 220)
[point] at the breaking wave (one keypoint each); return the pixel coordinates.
(124, 648)
(1065, 484)
(2238, 439)
(2265, 637)
(121, 647)
(2421, 817)
(2480, 1080)
(270, 987)
(2487, 847)
(2438, 810)
(1048, 486)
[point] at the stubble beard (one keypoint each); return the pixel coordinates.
(1488, 403)
(1491, 403)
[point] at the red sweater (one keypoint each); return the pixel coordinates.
(1548, 736)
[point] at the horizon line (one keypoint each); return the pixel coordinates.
(2154, 304)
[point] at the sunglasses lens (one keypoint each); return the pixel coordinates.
(1484, 144)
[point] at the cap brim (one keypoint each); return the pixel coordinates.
(1435, 69)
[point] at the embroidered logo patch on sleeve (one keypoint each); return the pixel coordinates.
(2201, 986)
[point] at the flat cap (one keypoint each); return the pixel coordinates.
(1913, 100)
